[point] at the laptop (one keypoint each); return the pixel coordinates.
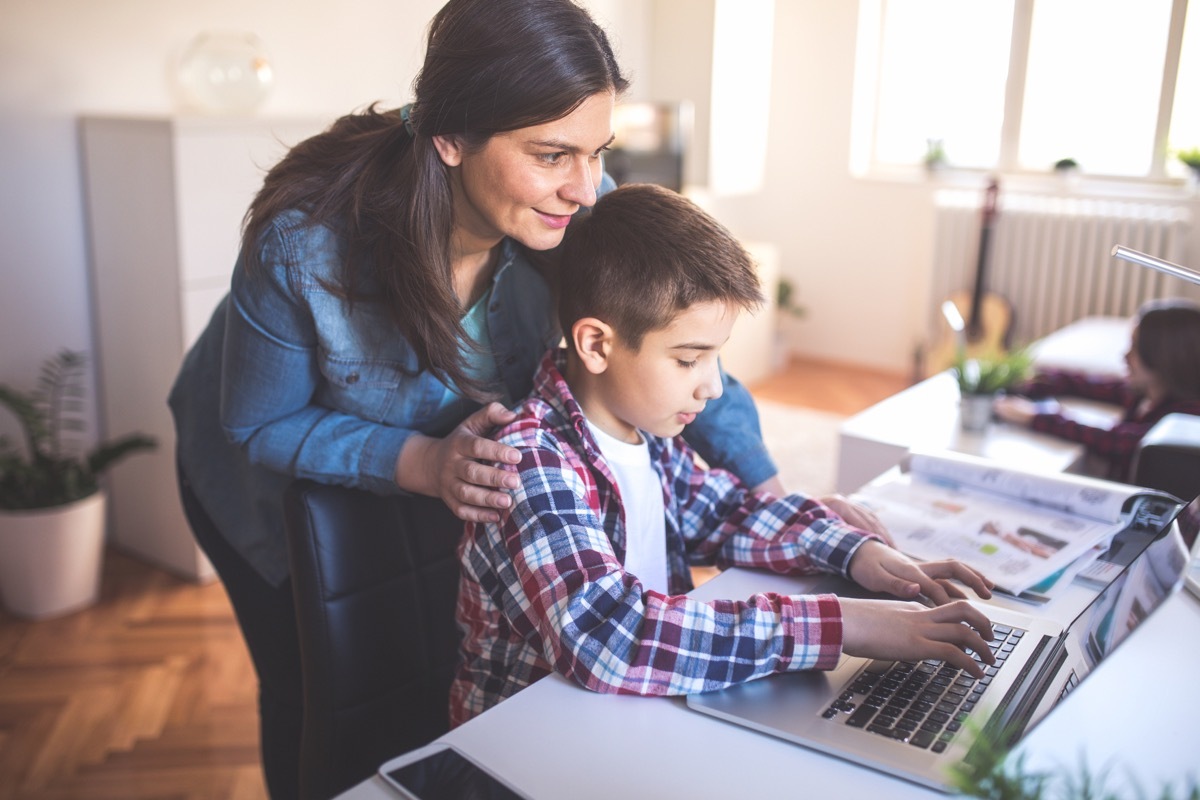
(917, 720)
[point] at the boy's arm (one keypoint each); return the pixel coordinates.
(724, 523)
(567, 595)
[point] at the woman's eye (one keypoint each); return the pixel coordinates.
(552, 158)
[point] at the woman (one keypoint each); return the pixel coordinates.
(389, 289)
(1163, 378)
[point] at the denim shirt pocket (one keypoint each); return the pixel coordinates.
(364, 387)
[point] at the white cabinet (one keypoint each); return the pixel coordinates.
(164, 200)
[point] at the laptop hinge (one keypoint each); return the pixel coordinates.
(1007, 724)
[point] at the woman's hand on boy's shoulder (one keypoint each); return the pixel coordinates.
(458, 467)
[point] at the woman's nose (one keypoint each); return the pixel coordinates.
(582, 182)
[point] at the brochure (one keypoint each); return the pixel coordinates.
(1017, 527)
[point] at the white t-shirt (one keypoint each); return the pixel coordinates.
(642, 501)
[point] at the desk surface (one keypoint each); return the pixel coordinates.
(555, 734)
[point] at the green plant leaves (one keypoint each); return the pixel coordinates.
(51, 471)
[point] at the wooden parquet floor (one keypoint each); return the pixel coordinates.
(150, 695)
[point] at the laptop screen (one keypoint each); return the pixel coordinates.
(1141, 587)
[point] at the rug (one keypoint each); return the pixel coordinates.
(804, 444)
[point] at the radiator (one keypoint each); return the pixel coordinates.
(1050, 256)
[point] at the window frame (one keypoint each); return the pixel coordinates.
(864, 128)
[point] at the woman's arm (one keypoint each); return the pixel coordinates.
(271, 379)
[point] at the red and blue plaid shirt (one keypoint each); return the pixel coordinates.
(1116, 444)
(544, 589)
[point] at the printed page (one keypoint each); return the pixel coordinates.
(1073, 494)
(1016, 528)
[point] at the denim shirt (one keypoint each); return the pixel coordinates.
(288, 382)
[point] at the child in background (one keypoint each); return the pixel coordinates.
(587, 573)
(1163, 378)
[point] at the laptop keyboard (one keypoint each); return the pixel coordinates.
(921, 703)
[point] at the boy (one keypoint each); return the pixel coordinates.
(586, 574)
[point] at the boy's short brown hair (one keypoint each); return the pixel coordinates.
(644, 254)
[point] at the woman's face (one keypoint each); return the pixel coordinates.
(527, 183)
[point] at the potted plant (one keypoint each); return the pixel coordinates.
(51, 503)
(1191, 159)
(935, 155)
(982, 377)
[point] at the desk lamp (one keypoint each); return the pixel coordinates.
(1145, 260)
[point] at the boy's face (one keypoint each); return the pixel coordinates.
(664, 384)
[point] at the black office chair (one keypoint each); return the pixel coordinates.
(376, 581)
(1168, 457)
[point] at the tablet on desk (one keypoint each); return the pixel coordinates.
(439, 772)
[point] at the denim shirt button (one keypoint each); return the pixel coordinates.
(352, 378)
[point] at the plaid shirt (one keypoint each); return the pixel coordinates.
(544, 589)
(1116, 444)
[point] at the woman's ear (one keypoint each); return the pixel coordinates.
(449, 149)
(593, 341)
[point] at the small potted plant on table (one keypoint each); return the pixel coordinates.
(51, 504)
(982, 378)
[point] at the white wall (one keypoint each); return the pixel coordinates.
(859, 251)
(63, 58)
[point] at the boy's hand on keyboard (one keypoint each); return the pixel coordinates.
(887, 629)
(880, 568)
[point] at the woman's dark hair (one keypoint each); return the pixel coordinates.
(1168, 344)
(490, 66)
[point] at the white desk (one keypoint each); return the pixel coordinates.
(557, 740)
(925, 416)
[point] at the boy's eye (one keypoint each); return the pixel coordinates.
(687, 364)
(552, 158)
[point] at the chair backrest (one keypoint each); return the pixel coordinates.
(375, 580)
(1168, 457)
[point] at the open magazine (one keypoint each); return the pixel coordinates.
(1017, 527)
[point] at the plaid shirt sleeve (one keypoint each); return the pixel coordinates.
(567, 595)
(724, 523)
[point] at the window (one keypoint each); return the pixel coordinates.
(1016, 85)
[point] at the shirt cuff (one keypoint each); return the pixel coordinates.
(377, 467)
(816, 632)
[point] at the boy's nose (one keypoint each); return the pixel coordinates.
(711, 387)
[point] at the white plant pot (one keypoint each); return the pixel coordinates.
(975, 412)
(50, 559)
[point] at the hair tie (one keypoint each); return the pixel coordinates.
(405, 117)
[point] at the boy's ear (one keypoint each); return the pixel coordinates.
(593, 341)
(449, 149)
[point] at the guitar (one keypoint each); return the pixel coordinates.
(979, 322)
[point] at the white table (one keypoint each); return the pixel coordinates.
(925, 416)
(557, 740)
